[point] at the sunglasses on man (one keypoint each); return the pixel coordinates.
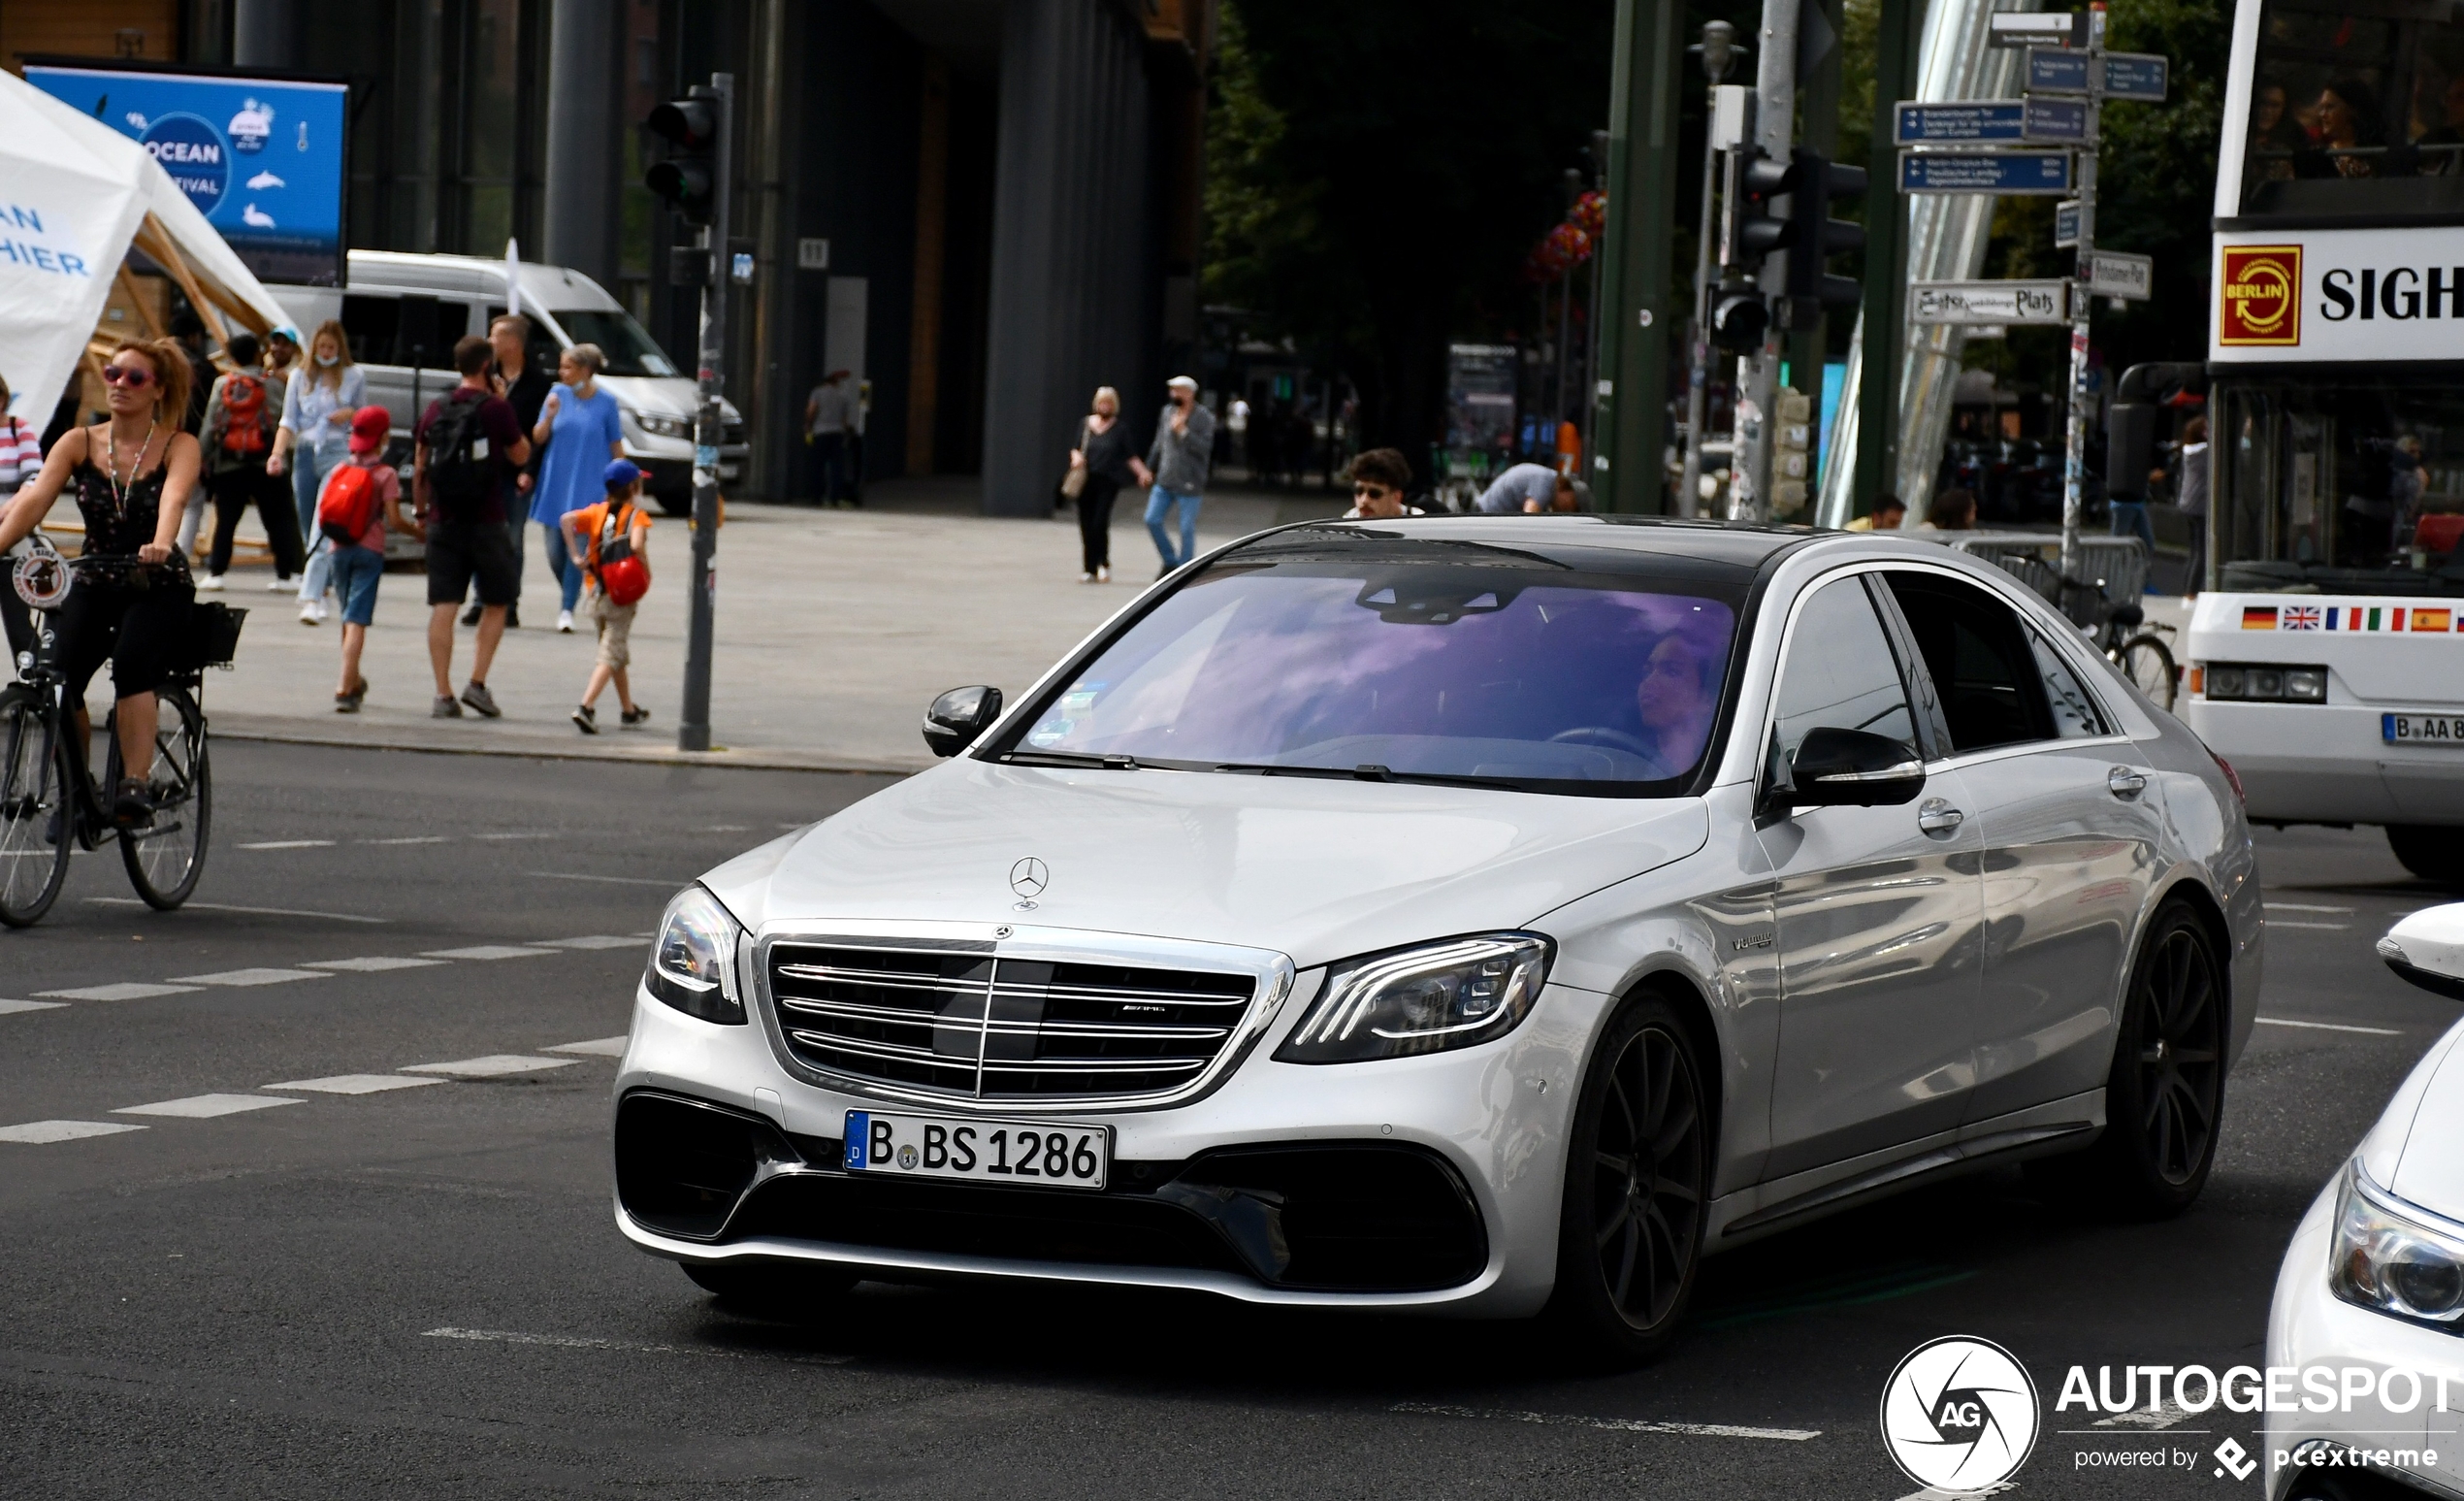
(1373, 492)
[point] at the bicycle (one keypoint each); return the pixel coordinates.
(2143, 657)
(51, 805)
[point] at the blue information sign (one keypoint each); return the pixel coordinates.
(1979, 172)
(262, 159)
(2058, 72)
(2057, 119)
(1989, 122)
(2127, 75)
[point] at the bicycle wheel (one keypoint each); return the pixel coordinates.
(35, 837)
(2149, 663)
(165, 859)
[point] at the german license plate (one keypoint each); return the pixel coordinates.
(2421, 729)
(1048, 1154)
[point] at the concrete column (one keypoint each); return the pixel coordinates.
(264, 33)
(583, 137)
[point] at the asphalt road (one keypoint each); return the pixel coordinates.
(419, 1291)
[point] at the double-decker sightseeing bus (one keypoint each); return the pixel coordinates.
(2327, 658)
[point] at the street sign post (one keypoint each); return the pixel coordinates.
(2141, 75)
(1989, 123)
(2067, 225)
(2038, 28)
(2037, 174)
(1973, 302)
(2118, 273)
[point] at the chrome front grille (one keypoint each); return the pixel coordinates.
(959, 1020)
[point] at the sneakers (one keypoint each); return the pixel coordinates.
(211, 583)
(132, 804)
(479, 699)
(444, 707)
(565, 622)
(313, 612)
(282, 583)
(632, 717)
(1085, 578)
(348, 703)
(1104, 575)
(585, 719)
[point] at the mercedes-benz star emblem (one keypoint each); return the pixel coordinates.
(1028, 878)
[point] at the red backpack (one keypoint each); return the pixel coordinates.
(244, 416)
(347, 505)
(622, 573)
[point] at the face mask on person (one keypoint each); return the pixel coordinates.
(329, 361)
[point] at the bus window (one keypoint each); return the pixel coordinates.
(2353, 104)
(2340, 487)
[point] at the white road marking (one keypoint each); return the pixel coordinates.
(2333, 928)
(218, 906)
(289, 844)
(573, 1342)
(487, 951)
(1719, 1430)
(246, 977)
(374, 964)
(205, 1107)
(728, 827)
(610, 880)
(354, 1084)
(9, 1006)
(2330, 1027)
(494, 1065)
(594, 941)
(2295, 907)
(417, 838)
(513, 836)
(126, 991)
(42, 1133)
(597, 1047)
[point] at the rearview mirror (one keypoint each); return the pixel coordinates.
(1856, 769)
(958, 717)
(2427, 949)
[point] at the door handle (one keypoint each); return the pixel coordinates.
(2124, 782)
(1936, 816)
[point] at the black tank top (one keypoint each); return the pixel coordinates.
(118, 525)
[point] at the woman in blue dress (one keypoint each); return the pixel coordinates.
(580, 429)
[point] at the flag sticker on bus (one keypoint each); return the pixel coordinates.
(2298, 617)
(2259, 295)
(2431, 619)
(2258, 617)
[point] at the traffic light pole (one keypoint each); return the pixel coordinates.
(1758, 373)
(2074, 465)
(1630, 393)
(1718, 49)
(693, 734)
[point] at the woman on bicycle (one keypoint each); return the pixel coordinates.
(133, 477)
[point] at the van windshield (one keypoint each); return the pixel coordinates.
(628, 346)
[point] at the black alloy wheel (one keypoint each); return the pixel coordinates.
(165, 859)
(37, 814)
(1637, 1178)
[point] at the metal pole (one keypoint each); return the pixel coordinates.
(1591, 313)
(1885, 344)
(1775, 130)
(2075, 430)
(693, 732)
(1718, 48)
(1628, 472)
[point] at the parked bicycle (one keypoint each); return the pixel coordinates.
(2123, 632)
(50, 804)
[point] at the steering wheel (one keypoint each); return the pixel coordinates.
(1606, 738)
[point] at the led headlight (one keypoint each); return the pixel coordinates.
(693, 965)
(661, 425)
(1422, 999)
(2395, 1259)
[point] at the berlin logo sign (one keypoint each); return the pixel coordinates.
(2261, 295)
(1959, 1415)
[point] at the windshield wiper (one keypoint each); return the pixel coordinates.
(1074, 759)
(1370, 773)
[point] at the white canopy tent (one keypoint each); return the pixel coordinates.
(75, 196)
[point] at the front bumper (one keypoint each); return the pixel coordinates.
(1489, 1121)
(2309, 1326)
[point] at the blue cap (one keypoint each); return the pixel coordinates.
(620, 473)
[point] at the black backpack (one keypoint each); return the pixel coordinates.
(461, 473)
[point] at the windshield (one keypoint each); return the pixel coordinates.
(2342, 488)
(1416, 660)
(628, 346)
(2354, 105)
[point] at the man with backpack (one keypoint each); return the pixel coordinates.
(240, 416)
(469, 447)
(361, 498)
(608, 541)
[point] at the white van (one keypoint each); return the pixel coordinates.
(403, 312)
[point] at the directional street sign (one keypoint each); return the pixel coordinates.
(2119, 274)
(2066, 224)
(2127, 75)
(2038, 28)
(1988, 302)
(2055, 72)
(1989, 123)
(2037, 173)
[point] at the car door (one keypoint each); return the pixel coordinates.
(2070, 839)
(1877, 911)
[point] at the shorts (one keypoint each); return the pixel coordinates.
(615, 631)
(357, 570)
(143, 632)
(459, 551)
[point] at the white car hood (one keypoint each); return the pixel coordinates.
(2418, 1152)
(1315, 869)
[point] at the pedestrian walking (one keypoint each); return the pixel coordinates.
(465, 451)
(581, 429)
(523, 383)
(1526, 488)
(829, 425)
(1103, 464)
(1888, 510)
(1178, 461)
(2193, 494)
(609, 542)
(241, 423)
(1379, 477)
(317, 405)
(362, 497)
(283, 353)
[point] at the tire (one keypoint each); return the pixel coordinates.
(37, 814)
(165, 860)
(2148, 662)
(2164, 1097)
(788, 1291)
(1629, 1227)
(2435, 855)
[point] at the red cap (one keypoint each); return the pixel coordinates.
(370, 426)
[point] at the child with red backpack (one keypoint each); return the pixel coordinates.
(361, 498)
(607, 542)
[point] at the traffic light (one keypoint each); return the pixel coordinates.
(1816, 235)
(688, 175)
(1759, 228)
(1740, 321)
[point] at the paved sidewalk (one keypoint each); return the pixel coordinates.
(834, 629)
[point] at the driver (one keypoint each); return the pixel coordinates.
(133, 476)
(1674, 705)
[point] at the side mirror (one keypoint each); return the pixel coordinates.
(1856, 769)
(2427, 949)
(958, 717)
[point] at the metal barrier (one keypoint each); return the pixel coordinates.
(2116, 564)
